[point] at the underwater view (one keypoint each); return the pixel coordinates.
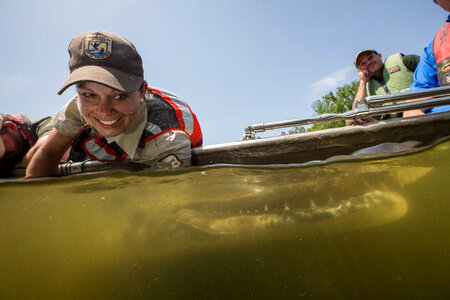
(350, 229)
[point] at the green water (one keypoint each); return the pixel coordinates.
(349, 230)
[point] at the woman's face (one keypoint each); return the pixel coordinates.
(108, 110)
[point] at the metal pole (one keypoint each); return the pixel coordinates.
(351, 114)
(378, 100)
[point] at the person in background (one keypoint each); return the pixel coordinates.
(434, 66)
(115, 115)
(376, 77)
(19, 140)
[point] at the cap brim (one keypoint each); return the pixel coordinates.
(110, 77)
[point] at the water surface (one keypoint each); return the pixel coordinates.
(349, 230)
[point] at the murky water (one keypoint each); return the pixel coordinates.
(349, 230)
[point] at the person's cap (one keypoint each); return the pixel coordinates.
(360, 53)
(2, 145)
(104, 58)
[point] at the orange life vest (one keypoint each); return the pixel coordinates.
(441, 51)
(165, 112)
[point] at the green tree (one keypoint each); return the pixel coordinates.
(296, 129)
(339, 101)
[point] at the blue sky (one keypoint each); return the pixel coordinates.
(236, 62)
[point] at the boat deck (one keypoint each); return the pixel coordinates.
(323, 144)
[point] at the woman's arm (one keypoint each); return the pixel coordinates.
(46, 159)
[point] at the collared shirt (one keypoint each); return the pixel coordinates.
(129, 139)
(69, 122)
(425, 76)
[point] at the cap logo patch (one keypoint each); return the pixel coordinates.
(98, 46)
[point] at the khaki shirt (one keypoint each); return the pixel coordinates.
(169, 150)
(44, 126)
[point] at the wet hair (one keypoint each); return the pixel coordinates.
(142, 85)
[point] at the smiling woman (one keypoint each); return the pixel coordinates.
(115, 115)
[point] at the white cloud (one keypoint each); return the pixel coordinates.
(330, 82)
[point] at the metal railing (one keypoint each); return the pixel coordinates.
(378, 100)
(72, 168)
(369, 106)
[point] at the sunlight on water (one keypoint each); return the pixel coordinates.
(363, 229)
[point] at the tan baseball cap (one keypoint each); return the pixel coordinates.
(356, 61)
(105, 58)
